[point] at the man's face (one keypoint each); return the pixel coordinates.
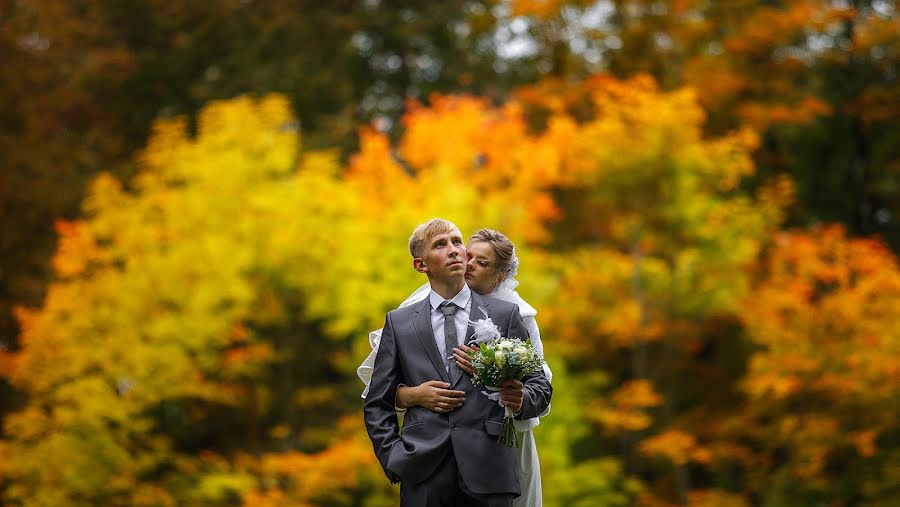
(444, 256)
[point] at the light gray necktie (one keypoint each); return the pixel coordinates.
(450, 342)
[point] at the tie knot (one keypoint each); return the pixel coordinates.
(448, 308)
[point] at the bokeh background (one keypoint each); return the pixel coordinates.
(205, 207)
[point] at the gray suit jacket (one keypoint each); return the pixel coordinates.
(409, 355)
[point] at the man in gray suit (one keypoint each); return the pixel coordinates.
(447, 458)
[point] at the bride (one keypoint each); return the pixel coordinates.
(492, 266)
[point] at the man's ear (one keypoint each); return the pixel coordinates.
(419, 265)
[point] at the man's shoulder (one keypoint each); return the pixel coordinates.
(405, 312)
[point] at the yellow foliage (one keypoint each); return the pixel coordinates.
(670, 231)
(151, 286)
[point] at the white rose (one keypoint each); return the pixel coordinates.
(505, 345)
(522, 351)
(500, 358)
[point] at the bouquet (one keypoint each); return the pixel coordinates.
(497, 360)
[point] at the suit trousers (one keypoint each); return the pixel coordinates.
(446, 488)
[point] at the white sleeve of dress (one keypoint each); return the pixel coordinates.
(535, 335)
(364, 371)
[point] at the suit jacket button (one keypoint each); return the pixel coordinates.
(453, 427)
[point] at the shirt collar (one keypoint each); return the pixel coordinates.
(461, 299)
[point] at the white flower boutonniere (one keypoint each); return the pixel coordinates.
(485, 330)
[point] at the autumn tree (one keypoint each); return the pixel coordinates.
(199, 342)
(814, 78)
(84, 81)
(652, 261)
(173, 338)
(820, 423)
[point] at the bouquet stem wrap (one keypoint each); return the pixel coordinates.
(508, 435)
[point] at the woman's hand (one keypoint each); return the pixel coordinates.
(432, 395)
(511, 394)
(463, 359)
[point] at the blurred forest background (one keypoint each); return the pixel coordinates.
(205, 207)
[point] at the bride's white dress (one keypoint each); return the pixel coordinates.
(529, 467)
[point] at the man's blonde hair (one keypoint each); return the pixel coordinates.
(426, 231)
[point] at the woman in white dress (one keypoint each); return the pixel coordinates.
(491, 269)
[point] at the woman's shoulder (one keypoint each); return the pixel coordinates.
(513, 297)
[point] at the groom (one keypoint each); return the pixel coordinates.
(449, 458)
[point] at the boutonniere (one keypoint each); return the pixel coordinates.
(485, 330)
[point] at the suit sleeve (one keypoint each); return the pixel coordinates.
(537, 388)
(378, 409)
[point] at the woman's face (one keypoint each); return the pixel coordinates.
(480, 273)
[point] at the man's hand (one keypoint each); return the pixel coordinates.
(432, 395)
(511, 394)
(463, 359)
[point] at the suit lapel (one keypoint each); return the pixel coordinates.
(478, 303)
(422, 324)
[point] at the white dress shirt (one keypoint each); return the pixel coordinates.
(463, 300)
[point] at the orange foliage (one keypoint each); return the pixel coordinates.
(676, 446)
(375, 169)
(460, 140)
(715, 498)
(6, 364)
(541, 9)
(770, 26)
(487, 146)
(876, 31)
(714, 79)
(77, 249)
(829, 365)
(626, 411)
(864, 441)
(762, 116)
(822, 314)
(300, 479)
